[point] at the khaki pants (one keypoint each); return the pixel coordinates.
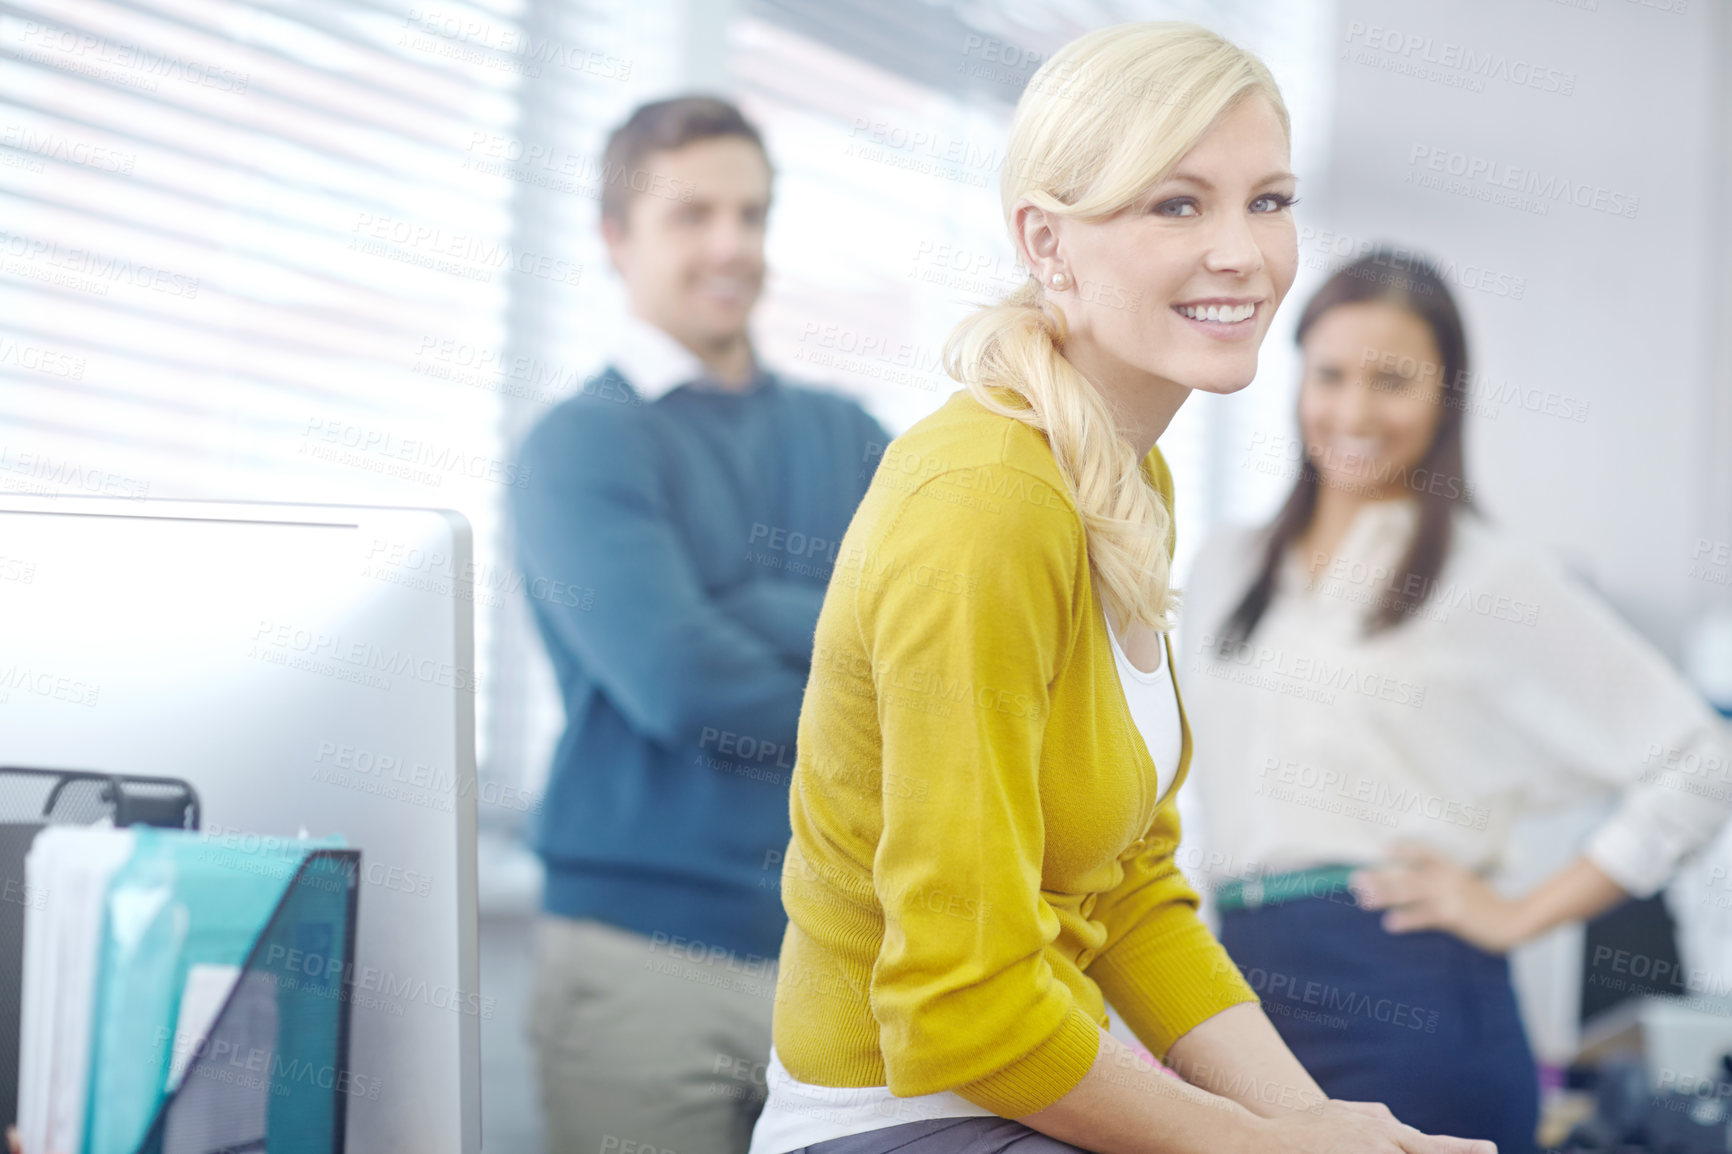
(647, 1046)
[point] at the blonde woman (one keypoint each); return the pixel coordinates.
(990, 743)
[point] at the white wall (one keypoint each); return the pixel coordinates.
(1620, 313)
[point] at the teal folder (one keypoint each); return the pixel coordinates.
(192, 919)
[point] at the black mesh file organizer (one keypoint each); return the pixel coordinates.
(272, 1074)
(31, 799)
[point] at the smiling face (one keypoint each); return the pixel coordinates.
(1183, 284)
(1371, 397)
(693, 264)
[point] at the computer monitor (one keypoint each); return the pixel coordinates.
(305, 668)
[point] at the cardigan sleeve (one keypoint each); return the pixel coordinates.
(1161, 968)
(966, 610)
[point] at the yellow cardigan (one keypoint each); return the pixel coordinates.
(976, 856)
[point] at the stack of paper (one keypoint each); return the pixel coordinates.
(70, 868)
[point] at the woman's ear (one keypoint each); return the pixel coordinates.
(1036, 236)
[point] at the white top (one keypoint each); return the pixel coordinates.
(1154, 707)
(1513, 690)
(800, 1114)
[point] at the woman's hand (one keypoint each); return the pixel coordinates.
(1424, 890)
(1358, 1128)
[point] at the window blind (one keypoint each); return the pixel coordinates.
(244, 251)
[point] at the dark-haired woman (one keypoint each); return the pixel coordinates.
(1381, 682)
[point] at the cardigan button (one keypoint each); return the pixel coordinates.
(1084, 957)
(1088, 905)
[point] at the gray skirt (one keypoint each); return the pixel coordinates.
(947, 1136)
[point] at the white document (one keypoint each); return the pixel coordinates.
(70, 867)
(207, 988)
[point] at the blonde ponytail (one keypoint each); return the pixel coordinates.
(1014, 345)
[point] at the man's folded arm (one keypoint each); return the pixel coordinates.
(596, 542)
(782, 612)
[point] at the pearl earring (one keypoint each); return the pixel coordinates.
(1059, 281)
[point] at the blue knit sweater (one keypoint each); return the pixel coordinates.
(676, 553)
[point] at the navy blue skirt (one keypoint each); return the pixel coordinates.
(1422, 1022)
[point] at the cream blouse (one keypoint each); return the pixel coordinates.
(1512, 690)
